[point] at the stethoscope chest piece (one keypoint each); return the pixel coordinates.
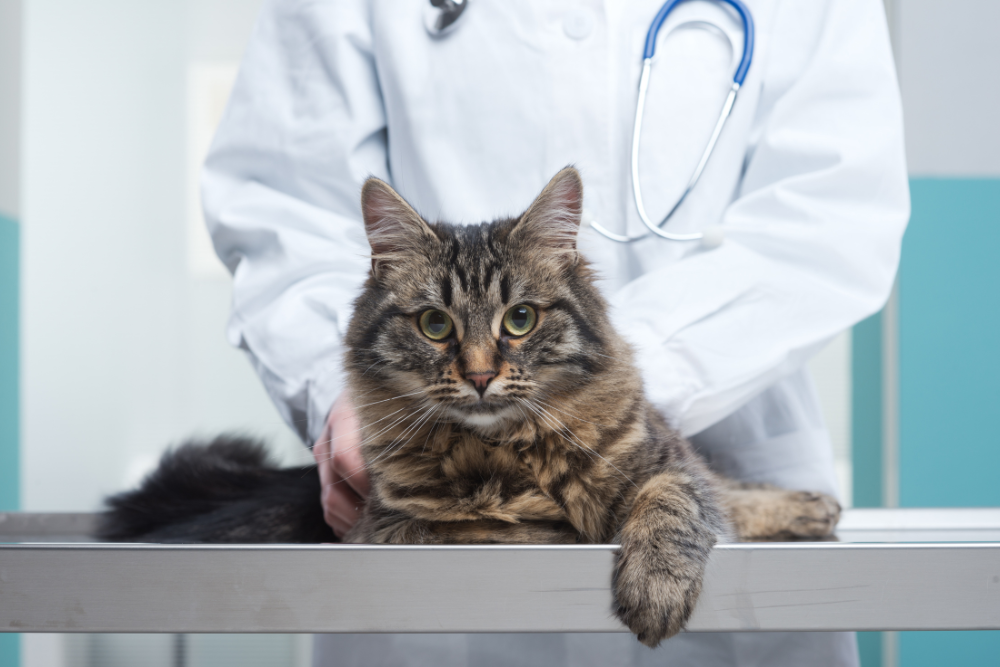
(441, 16)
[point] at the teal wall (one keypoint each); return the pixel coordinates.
(866, 441)
(949, 361)
(866, 412)
(949, 345)
(949, 365)
(9, 403)
(10, 650)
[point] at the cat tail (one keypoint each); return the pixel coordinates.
(223, 491)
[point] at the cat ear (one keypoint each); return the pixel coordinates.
(553, 219)
(394, 229)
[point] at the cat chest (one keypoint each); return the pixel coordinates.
(512, 490)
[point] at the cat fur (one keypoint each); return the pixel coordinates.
(561, 447)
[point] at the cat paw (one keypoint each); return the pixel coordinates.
(812, 515)
(652, 598)
(761, 512)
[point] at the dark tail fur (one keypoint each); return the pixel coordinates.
(226, 491)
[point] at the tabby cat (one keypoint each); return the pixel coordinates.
(498, 405)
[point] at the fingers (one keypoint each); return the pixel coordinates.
(321, 453)
(349, 466)
(341, 507)
(347, 460)
(342, 472)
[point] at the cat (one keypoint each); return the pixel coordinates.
(498, 405)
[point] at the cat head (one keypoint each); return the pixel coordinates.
(481, 321)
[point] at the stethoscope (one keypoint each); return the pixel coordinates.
(441, 17)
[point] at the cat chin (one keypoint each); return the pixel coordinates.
(486, 422)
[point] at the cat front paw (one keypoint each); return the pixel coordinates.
(761, 512)
(812, 515)
(656, 586)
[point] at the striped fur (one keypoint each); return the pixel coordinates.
(562, 447)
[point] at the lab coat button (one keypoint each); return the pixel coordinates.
(579, 23)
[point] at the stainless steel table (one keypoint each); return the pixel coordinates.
(933, 569)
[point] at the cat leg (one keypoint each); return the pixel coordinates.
(665, 542)
(761, 512)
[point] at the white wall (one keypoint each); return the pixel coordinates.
(123, 347)
(950, 93)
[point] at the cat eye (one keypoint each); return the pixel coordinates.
(519, 320)
(436, 324)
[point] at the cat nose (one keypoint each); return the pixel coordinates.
(480, 380)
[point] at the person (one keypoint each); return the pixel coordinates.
(808, 182)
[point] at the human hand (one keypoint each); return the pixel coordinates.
(342, 473)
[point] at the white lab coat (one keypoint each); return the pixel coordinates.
(808, 182)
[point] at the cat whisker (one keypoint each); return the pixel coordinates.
(419, 391)
(357, 430)
(373, 366)
(365, 466)
(370, 391)
(414, 427)
(423, 421)
(344, 435)
(371, 437)
(392, 448)
(534, 441)
(559, 427)
(552, 422)
(429, 433)
(549, 405)
(579, 443)
(521, 410)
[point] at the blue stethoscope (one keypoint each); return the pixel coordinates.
(441, 17)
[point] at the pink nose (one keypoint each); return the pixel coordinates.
(480, 380)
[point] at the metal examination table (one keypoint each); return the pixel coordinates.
(893, 569)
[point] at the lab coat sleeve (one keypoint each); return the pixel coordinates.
(812, 238)
(303, 129)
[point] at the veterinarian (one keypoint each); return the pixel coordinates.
(806, 190)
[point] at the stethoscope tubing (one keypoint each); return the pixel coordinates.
(748, 34)
(441, 16)
(727, 107)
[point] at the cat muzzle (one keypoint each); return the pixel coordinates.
(480, 380)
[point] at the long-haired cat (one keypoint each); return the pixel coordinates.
(497, 405)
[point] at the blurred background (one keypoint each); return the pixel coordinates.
(112, 303)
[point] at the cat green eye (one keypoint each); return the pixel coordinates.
(519, 320)
(436, 324)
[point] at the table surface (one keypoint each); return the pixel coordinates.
(893, 569)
